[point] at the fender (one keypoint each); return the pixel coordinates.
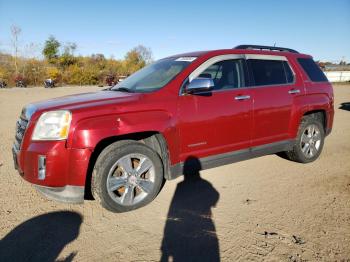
(305, 104)
(88, 132)
(323, 102)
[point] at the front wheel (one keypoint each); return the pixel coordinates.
(127, 175)
(309, 142)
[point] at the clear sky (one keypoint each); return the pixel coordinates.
(317, 27)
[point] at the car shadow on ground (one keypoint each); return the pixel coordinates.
(345, 106)
(190, 233)
(41, 238)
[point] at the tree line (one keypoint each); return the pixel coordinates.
(61, 64)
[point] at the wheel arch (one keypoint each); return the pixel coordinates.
(319, 114)
(153, 139)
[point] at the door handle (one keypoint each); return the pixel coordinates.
(242, 97)
(294, 91)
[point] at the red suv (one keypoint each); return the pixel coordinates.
(217, 107)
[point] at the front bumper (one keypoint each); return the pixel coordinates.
(65, 169)
(66, 194)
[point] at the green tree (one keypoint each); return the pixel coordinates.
(137, 58)
(132, 62)
(65, 68)
(50, 50)
(67, 58)
(33, 71)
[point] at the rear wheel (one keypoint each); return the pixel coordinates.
(127, 175)
(310, 140)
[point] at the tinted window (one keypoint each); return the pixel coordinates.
(270, 72)
(226, 74)
(288, 72)
(312, 70)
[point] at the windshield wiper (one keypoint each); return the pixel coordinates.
(123, 89)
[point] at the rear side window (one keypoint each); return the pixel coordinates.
(270, 72)
(288, 71)
(312, 70)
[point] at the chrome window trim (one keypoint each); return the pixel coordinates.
(241, 88)
(265, 57)
(221, 90)
(274, 85)
(210, 62)
(195, 73)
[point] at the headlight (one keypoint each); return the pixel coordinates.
(53, 125)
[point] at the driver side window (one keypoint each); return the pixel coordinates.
(226, 74)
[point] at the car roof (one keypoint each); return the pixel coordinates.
(239, 51)
(190, 54)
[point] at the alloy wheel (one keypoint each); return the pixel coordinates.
(131, 179)
(310, 141)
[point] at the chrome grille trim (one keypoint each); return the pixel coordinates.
(21, 126)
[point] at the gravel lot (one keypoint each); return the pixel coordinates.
(262, 209)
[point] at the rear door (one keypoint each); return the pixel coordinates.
(275, 90)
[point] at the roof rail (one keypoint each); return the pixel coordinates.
(264, 47)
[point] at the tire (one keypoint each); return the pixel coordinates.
(120, 182)
(310, 140)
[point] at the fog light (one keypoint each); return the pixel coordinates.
(41, 167)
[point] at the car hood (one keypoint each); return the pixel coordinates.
(78, 101)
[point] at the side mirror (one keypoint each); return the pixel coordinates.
(200, 85)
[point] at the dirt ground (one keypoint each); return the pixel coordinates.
(262, 209)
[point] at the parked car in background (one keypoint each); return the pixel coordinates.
(121, 78)
(3, 84)
(110, 80)
(218, 106)
(49, 83)
(20, 81)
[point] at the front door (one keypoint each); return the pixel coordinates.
(218, 121)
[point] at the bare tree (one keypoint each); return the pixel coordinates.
(72, 47)
(145, 53)
(31, 50)
(15, 32)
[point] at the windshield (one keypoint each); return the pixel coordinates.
(154, 76)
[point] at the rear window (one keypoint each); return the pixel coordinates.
(312, 70)
(270, 72)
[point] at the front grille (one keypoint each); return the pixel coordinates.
(21, 126)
